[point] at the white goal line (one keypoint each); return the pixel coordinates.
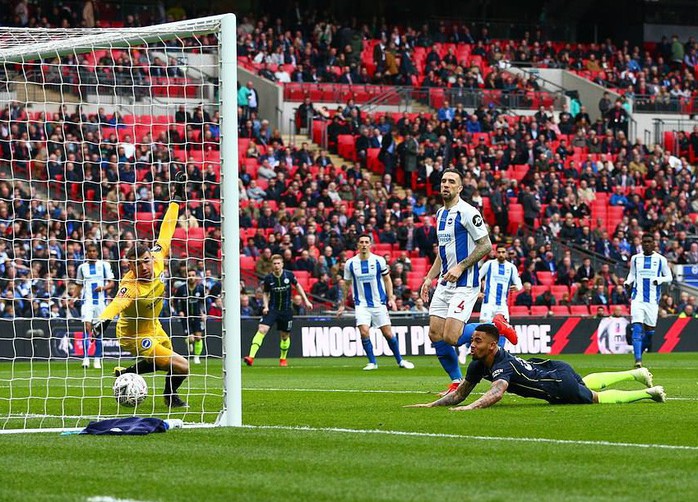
(475, 438)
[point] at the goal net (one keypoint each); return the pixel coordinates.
(93, 126)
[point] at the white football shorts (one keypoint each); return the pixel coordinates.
(644, 312)
(454, 302)
(372, 316)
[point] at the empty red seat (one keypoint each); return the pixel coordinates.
(579, 310)
(539, 311)
(560, 310)
(518, 311)
(546, 278)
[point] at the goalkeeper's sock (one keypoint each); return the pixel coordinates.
(394, 345)
(368, 348)
(141, 367)
(198, 347)
(172, 383)
(449, 359)
(622, 396)
(599, 381)
(256, 343)
(284, 345)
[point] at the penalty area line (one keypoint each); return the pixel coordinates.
(475, 438)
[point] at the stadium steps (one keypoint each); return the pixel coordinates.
(30, 92)
(336, 159)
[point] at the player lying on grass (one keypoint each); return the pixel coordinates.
(554, 381)
(139, 302)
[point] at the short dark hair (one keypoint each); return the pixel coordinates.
(136, 252)
(454, 171)
(489, 329)
(368, 236)
(647, 236)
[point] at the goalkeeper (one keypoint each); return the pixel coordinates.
(138, 304)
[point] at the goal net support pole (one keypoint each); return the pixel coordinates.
(45, 388)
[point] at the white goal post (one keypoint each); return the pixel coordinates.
(93, 124)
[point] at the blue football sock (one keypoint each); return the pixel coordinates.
(449, 359)
(86, 344)
(368, 348)
(98, 347)
(637, 341)
(502, 341)
(647, 340)
(467, 335)
(394, 345)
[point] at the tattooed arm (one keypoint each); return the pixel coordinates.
(482, 248)
(490, 397)
(455, 397)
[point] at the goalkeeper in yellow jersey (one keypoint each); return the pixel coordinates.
(138, 304)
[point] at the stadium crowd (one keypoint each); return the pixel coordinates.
(298, 203)
(662, 74)
(70, 179)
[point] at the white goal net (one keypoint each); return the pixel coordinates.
(93, 126)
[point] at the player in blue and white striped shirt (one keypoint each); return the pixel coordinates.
(94, 279)
(369, 276)
(463, 242)
(648, 271)
(498, 277)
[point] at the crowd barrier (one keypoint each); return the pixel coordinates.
(331, 337)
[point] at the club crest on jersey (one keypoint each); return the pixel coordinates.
(449, 221)
(477, 220)
(146, 343)
(286, 281)
(122, 292)
(162, 277)
(156, 248)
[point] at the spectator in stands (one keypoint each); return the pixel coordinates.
(255, 193)
(619, 296)
(688, 311)
(246, 309)
(263, 265)
(585, 269)
(546, 299)
(524, 298)
(321, 287)
(599, 296)
(257, 302)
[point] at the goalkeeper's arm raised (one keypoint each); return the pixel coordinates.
(169, 222)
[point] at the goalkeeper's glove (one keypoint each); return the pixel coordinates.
(99, 326)
(180, 185)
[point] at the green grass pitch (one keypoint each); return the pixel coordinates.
(322, 429)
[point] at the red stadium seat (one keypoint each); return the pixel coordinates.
(546, 278)
(539, 311)
(518, 311)
(579, 310)
(560, 310)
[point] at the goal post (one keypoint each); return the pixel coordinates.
(94, 123)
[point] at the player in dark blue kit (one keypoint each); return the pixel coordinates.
(277, 308)
(554, 381)
(190, 302)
